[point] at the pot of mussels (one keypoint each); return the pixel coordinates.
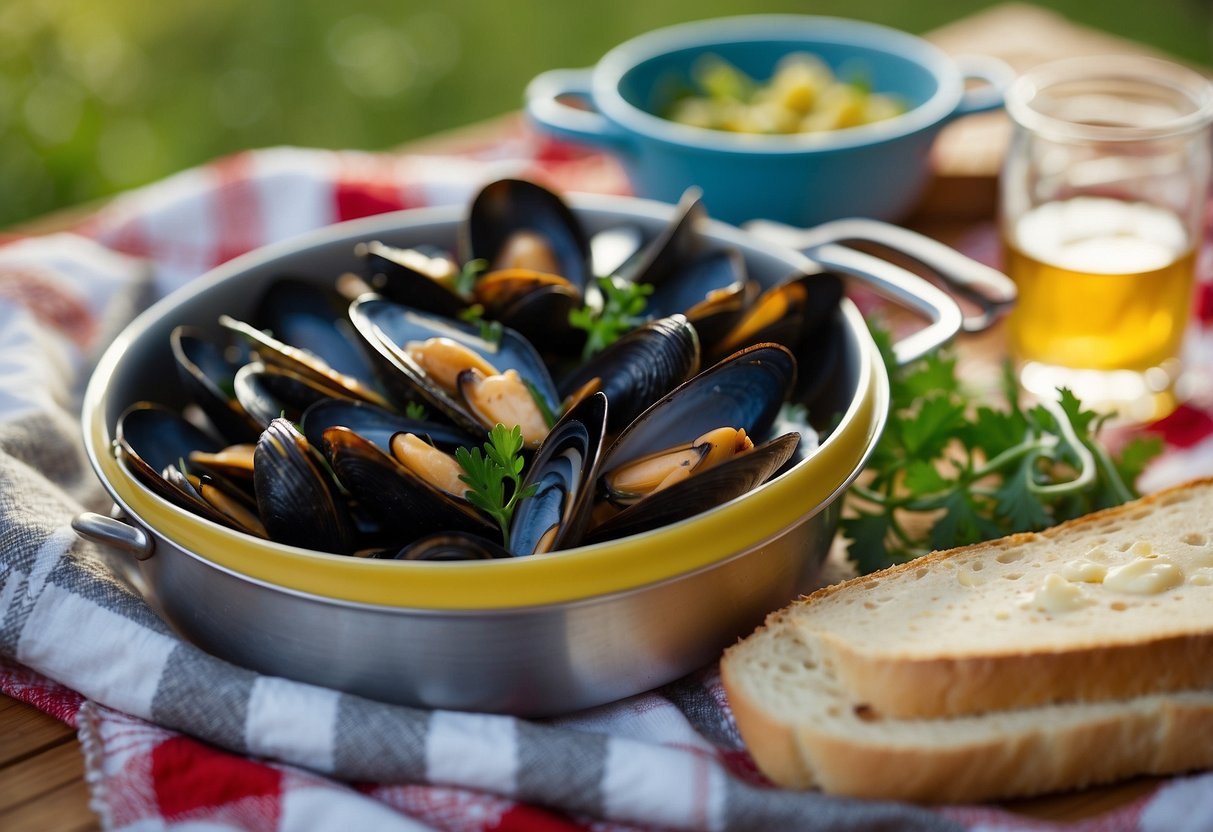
(526, 456)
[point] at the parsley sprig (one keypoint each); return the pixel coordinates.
(623, 304)
(465, 280)
(494, 478)
(978, 472)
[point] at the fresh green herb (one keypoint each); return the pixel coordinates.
(465, 281)
(977, 471)
(417, 411)
(490, 331)
(549, 417)
(622, 309)
(494, 478)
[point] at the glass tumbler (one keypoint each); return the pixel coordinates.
(1102, 200)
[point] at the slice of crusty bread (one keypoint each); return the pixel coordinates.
(803, 729)
(1032, 619)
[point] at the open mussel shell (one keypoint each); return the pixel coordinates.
(791, 313)
(313, 319)
(298, 502)
(233, 463)
(388, 327)
(449, 546)
(208, 376)
(504, 210)
(377, 425)
(700, 492)
(746, 390)
(283, 356)
(154, 441)
(416, 276)
(678, 244)
(404, 503)
(535, 305)
(266, 392)
(215, 493)
(711, 290)
(563, 472)
(639, 368)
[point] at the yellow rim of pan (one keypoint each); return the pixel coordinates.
(586, 572)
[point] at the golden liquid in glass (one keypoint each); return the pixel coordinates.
(1103, 284)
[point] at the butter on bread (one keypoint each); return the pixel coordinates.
(1115, 604)
(1008, 668)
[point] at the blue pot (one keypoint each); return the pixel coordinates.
(877, 170)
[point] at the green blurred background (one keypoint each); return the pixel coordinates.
(96, 97)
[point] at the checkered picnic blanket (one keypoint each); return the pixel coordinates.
(175, 738)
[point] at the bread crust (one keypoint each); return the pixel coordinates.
(918, 688)
(1173, 737)
(967, 684)
(1020, 751)
(780, 758)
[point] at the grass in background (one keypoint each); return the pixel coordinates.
(99, 97)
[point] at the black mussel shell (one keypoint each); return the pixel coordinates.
(208, 375)
(679, 243)
(266, 393)
(298, 503)
(639, 368)
(699, 492)
(537, 309)
(791, 313)
(377, 425)
(313, 319)
(388, 327)
(412, 276)
(745, 390)
(563, 472)
(710, 290)
(283, 356)
(154, 442)
(405, 504)
(508, 206)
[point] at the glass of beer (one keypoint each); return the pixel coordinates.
(1102, 203)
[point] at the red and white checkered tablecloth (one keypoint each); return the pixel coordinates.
(74, 645)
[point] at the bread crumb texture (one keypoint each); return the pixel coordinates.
(1134, 574)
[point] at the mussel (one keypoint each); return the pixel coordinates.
(537, 256)
(208, 375)
(416, 348)
(639, 368)
(386, 393)
(563, 474)
(408, 501)
(298, 502)
(155, 443)
(691, 451)
(421, 277)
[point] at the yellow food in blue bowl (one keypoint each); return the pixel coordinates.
(802, 96)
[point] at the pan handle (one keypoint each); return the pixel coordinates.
(991, 291)
(119, 534)
(903, 288)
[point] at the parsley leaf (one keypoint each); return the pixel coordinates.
(465, 281)
(622, 309)
(490, 331)
(949, 471)
(494, 477)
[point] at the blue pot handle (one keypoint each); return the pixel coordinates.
(545, 109)
(997, 76)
